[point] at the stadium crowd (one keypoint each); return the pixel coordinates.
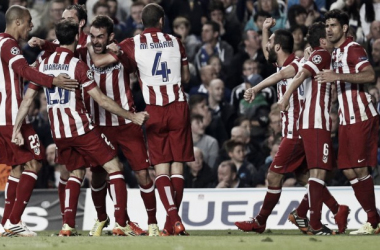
(235, 141)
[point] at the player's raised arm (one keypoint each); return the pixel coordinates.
(111, 106)
(268, 23)
(101, 60)
(17, 137)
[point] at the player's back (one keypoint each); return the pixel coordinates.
(67, 113)
(159, 58)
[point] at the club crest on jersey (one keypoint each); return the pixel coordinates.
(90, 75)
(317, 59)
(15, 51)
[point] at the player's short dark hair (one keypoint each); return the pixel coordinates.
(66, 31)
(285, 39)
(103, 22)
(214, 25)
(339, 15)
(14, 12)
(80, 10)
(230, 145)
(151, 15)
(316, 31)
(137, 3)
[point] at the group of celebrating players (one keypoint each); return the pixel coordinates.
(91, 113)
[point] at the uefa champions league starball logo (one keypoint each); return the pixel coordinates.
(15, 51)
(317, 59)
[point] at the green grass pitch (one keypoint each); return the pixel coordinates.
(199, 240)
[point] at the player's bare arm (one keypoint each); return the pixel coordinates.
(367, 75)
(268, 23)
(285, 73)
(283, 103)
(100, 60)
(17, 137)
(185, 74)
(111, 106)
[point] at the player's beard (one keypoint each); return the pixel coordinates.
(272, 56)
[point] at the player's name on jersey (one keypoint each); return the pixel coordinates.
(56, 66)
(159, 45)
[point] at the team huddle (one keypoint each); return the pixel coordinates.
(91, 113)
(88, 126)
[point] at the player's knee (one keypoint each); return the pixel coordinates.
(113, 165)
(16, 171)
(274, 179)
(78, 173)
(142, 177)
(33, 165)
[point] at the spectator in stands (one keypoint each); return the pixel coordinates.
(227, 176)
(134, 21)
(181, 27)
(219, 106)
(299, 34)
(251, 71)
(101, 8)
(48, 177)
(193, 10)
(230, 30)
(369, 12)
(375, 95)
(277, 10)
(213, 124)
(206, 143)
(245, 170)
(207, 73)
(376, 56)
(198, 174)
(258, 20)
(297, 15)
(112, 6)
(275, 121)
(217, 64)
(250, 49)
(375, 34)
(212, 45)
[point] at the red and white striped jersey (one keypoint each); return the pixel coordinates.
(290, 117)
(158, 58)
(14, 68)
(354, 101)
(66, 109)
(113, 81)
(315, 108)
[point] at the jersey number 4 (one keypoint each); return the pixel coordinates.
(164, 71)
